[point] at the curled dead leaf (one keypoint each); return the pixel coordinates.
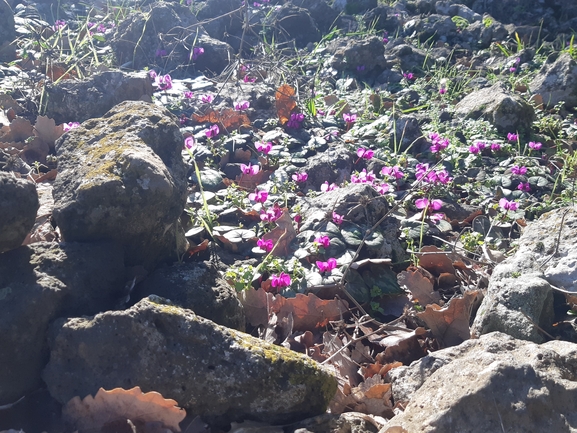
(285, 103)
(118, 404)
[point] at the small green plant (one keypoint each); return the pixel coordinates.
(460, 22)
(487, 21)
(472, 241)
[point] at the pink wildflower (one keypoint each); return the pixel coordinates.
(249, 169)
(189, 142)
(392, 172)
(263, 147)
(338, 219)
(265, 244)
(300, 177)
(212, 132)
(325, 187)
(511, 136)
(188, 94)
(323, 241)
(163, 82)
(280, 281)
(524, 187)
(327, 266)
(535, 145)
(518, 170)
(365, 153)
(424, 203)
(259, 196)
(70, 125)
(207, 98)
(349, 118)
(242, 105)
(495, 147)
(507, 205)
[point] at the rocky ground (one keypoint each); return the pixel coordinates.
(313, 216)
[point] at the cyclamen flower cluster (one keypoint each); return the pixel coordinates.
(393, 172)
(507, 205)
(439, 143)
(300, 177)
(519, 171)
(280, 281)
(212, 132)
(259, 196)
(432, 176)
(249, 169)
(365, 153)
(271, 214)
(295, 120)
(265, 244)
(535, 145)
(70, 125)
(242, 105)
(327, 266)
(263, 147)
(323, 241)
(325, 187)
(363, 177)
(425, 203)
(349, 118)
(197, 52)
(163, 82)
(479, 146)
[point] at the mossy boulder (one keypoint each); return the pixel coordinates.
(121, 177)
(212, 371)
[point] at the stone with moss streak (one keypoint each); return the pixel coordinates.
(121, 177)
(221, 374)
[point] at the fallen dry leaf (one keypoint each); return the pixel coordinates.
(436, 261)
(249, 182)
(92, 413)
(402, 346)
(227, 119)
(46, 129)
(450, 324)
(256, 306)
(421, 288)
(309, 311)
(285, 102)
(19, 130)
(282, 235)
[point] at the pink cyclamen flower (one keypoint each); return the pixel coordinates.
(249, 79)
(212, 132)
(338, 219)
(271, 214)
(524, 187)
(365, 153)
(518, 170)
(152, 74)
(323, 241)
(436, 217)
(282, 280)
(242, 105)
(424, 203)
(325, 187)
(197, 52)
(300, 177)
(363, 177)
(382, 188)
(58, 24)
(327, 266)
(349, 118)
(249, 169)
(263, 147)
(511, 136)
(207, 98)
(535, 145)
(438, 143)
(495, 147)
(474, 149)
(295, 120)
(189, 142)
(409, 75)
(298, 218)
(70, 125)
(188, 94)
(392, 172)
(265, 244)
(259, 196)
(163, 82)
(507, 205)
(442, 91)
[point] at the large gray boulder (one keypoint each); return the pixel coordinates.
(195, 286)
(349, 53)
(18, 206)
(212, 371)
(504, 110)
(557, 81)
(492, 384)
(519, 296)
(77, 101)
(122, 177)
(39, 283)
